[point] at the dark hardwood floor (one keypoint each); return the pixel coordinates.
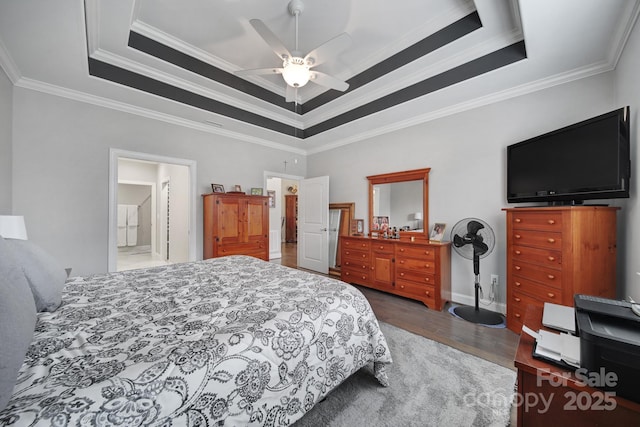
(495, 345)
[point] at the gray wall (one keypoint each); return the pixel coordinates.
(61, 163)
(466, 154)
(6, 91)
(628, 93)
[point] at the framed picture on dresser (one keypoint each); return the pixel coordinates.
(217, 188)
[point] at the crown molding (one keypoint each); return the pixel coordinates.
(493, 98)
(623, 33)
(62, 92)
(8, 65)
(128, 64)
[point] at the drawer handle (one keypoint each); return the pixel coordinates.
(402, 262)
(426, 279)
(551, 276)
(518, 220)
(516, 299)
(551, 222)
(401, 249)
(401, 286)
(346, 273)
(517, 236)
(401, 274)
(427, 253)
(427, 266)
(517, 315)
(364, 255)
(518, 284)
(364, 245)
(363, 277)
(551, 258)
(551, 240)
(551, 295)
(518, 253)
(427, 293)
(517, 267)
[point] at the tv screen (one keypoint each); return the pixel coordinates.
(587, 160)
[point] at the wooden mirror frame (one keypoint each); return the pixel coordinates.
(411, 175)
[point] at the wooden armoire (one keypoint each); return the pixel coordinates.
(235, 224)
(291, 218)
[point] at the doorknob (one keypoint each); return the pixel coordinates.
(324, 229)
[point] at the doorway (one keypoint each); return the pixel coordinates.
(170, 237)
(281, 185)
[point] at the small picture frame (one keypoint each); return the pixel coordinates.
(217, 188)
(237, 188)
(437, 232)
(272, 198)
(357, 227)
(256, 191)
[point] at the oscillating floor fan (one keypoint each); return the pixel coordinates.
(474, 239)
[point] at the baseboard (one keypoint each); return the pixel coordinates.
(469, 300)
(275, 255)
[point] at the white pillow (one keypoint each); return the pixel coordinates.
(17, 321)
(45, 275)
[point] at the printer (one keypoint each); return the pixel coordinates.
(609, 334)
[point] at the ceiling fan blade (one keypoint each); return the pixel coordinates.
(328, 81)
(271, 39)
(328, 50)
(258, 71)
(290, 95)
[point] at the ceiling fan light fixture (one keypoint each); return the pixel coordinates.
(295, 72)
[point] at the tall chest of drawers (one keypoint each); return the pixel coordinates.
(416, 270)
(556, 252)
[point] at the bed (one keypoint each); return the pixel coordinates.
(225, 341)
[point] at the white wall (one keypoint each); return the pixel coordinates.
(6, 115)
(466, 154)
(61, 164)
(628, 93)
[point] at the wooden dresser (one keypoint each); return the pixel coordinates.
(235, 224)
(419, 270)
(556, 252)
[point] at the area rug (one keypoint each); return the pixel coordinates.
(431, 385)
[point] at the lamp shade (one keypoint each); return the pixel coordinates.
(12, 227)
(417, 216)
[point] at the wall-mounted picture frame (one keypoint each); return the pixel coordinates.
(217, 188)
(437, 232)
(357, 227)
(256, 191)
(272, 198)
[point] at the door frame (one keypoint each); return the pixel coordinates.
(114, 154)
(269, 174)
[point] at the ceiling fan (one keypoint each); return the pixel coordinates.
(297, 69)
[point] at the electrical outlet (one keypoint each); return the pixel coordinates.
(494, 280)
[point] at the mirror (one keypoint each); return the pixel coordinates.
(340, 216)
(401, 200)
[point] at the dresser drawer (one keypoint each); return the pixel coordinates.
(547, 221)
(359, 244)
(415, 251)
(517, 307)
(356, 264)
(354, 275)
(539, 239)
(415, 290)
(355, 255)
(419, 265)
(545, 257)
(538, 291)
(252, 247)
(416, 277)
(544, 275)
(382, 247)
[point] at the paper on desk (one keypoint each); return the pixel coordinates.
(560, 347)
(527, 330)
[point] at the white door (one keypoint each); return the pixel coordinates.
(313, 224)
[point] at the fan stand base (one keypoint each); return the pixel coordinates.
(480, 315)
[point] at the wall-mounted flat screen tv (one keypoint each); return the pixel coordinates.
(583, 161)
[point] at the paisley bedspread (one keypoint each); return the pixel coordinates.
(226, 341)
